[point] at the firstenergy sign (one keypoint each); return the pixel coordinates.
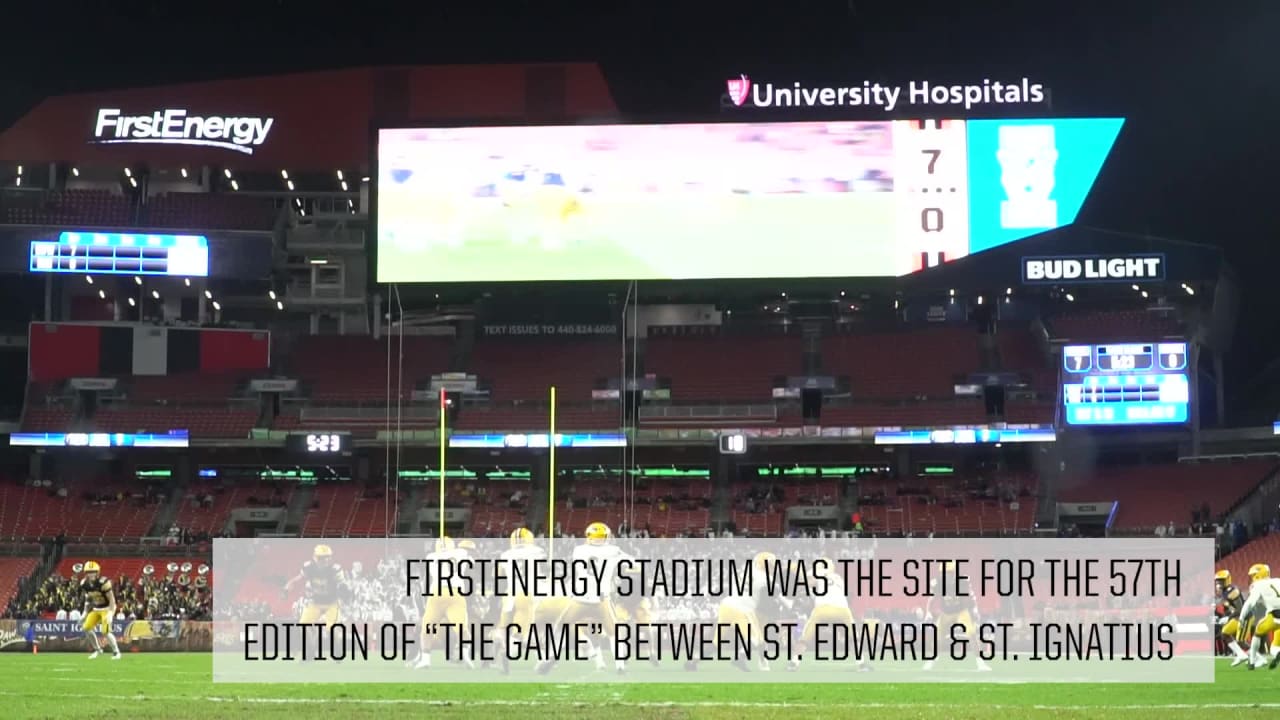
(174, 126)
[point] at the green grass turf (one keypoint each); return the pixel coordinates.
(169, 685)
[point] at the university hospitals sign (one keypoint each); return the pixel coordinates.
(742, 91)
(175, 126)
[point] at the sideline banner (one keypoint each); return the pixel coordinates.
(725, 611)
(149, 635)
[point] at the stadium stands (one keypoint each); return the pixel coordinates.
(698, 370)
(87, 511)
(1004, 506)
(39, 417)
(1265, 549)
(190, 211)
(13, 570)
(353, 369)
(206, 507)
(572, 366)
(346, 510)
(1100, 325)
(602, 417)
(1157, 495)
(911, 363)
(211, 422)
(73, 208)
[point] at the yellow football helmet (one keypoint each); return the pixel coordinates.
(466, 544)
(92, 567)
(1259, 571)
(598, 533)
(764, 559)
(521, 536)
(323, 551)
(1224, 577)
(444, 544)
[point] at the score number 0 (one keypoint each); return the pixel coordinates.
(931, 218)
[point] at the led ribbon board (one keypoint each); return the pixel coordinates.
(722, 200)
(171, 439)
(1125, 384)
(93, 253)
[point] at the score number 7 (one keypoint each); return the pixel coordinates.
(933, 158)
(931, 218)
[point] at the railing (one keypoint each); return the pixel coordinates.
(703, 412)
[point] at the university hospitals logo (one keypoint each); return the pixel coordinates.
(739, 89)
(174, 126)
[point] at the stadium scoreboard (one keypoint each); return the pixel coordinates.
(1125, 384)
(94, 253)
(693, 201)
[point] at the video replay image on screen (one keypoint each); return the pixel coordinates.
(721, 200)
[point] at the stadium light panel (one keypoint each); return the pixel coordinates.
(227, 172)
(271, 294)
(88, 279)
(952, 292)
(208, 295)
(1144, 294)
(1008, 291)
(18, 181)
(340, 175)
(128, 172)
(184, 172)
(284, 174)
(1188, 289)
(979, 299)
(279, 305)
(19, 169)
(102, 294)
(1071, 298)
(217, 305)
(132, 302)
(344, 186)
(133, 182)
(75, 172)
(1136, 288)
(186, 281)
(290, 184)
(155, 294)
(235, 185)
(137, 280)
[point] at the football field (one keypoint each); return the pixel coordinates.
(170, 685)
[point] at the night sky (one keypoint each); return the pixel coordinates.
(1197, 80)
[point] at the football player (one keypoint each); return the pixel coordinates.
(1230, 603)
(447, 605)
(323, 583)
(955, 609)
(829, 608)
(517, 607)
(741, 611)
(1263, 606)
(99, 608)
(592, 606)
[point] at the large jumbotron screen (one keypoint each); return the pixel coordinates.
(722, 200)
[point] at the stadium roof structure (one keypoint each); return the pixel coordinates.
(317, 120)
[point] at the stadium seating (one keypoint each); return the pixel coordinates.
(1265, 549)
(210, 422)
(34, 513)
(1156, 495)
(197, 517)
(39, 417)
(948, 412)
(1020, 352)
(13, 570)
(1101, 325)
(184, 387)
(74, 208)
(353, 369)
(343, 510)
(191, 211)
(722, 368)
(948, 506)
(911, 363)
(538, 418)
(518, 370)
